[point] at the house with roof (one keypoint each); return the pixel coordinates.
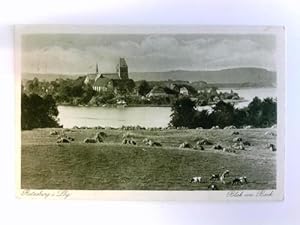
(184, 91)
(157, 91)
(103, 84)
(90, 78)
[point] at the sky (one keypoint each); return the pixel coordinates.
(79, 53)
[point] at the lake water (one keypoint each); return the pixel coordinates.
(70, 116)
(249, 93)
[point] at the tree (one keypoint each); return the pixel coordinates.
(255, 112)
(171, 91)
(88, 93)
(240, 117)
(269, 112)
(183, 113)
(38, 112)
(130, 85)
(223, 114)
(144, 88)
(202, 119)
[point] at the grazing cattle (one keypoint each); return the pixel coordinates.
(248, 127)
(196, 180)
(95, 139)
(217, 147)
(132, 142)
(212, 187)
(239, 180)
(185, 145)
(151, 143)
(90, 140)
(200, 147)
(61, 136)
(62, 140)
(247, 143)
(244, 179)
(154, 144)
(98, 137)
(238, 146)
(215, 128)
(145, 140)
(241, 147)
(204, 142)
(237, 139)
(236, 181)
(53, 132)
(270, 133)
(229, 150)
(235, 133)
(128, 141)
(223, 175)
(272, 147)
(70, 139)
(215, 177)
(64, 136)
(101, 134)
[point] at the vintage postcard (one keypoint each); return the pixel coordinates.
(150, 112)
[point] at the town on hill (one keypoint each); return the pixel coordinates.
(117, 88)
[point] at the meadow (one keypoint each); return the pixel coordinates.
(111, 165)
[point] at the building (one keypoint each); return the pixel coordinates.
(103, 84)
(90, 78)
(157, 91)
(108, 81)
(122, 69)
(184, 91)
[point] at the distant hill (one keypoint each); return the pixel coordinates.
(238, 77)
(253, 76)
(48, 76)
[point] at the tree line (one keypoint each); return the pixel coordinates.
(259, 113)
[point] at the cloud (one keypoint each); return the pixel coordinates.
(149, 53)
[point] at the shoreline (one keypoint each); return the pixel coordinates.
(138, 127)
(116, 106)
(150, 105)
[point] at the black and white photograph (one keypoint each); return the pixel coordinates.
(169, 110)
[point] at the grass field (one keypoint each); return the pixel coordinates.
(113, 166)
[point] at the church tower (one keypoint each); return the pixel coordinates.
(98, 74)
(122, 69)
(97, 70)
